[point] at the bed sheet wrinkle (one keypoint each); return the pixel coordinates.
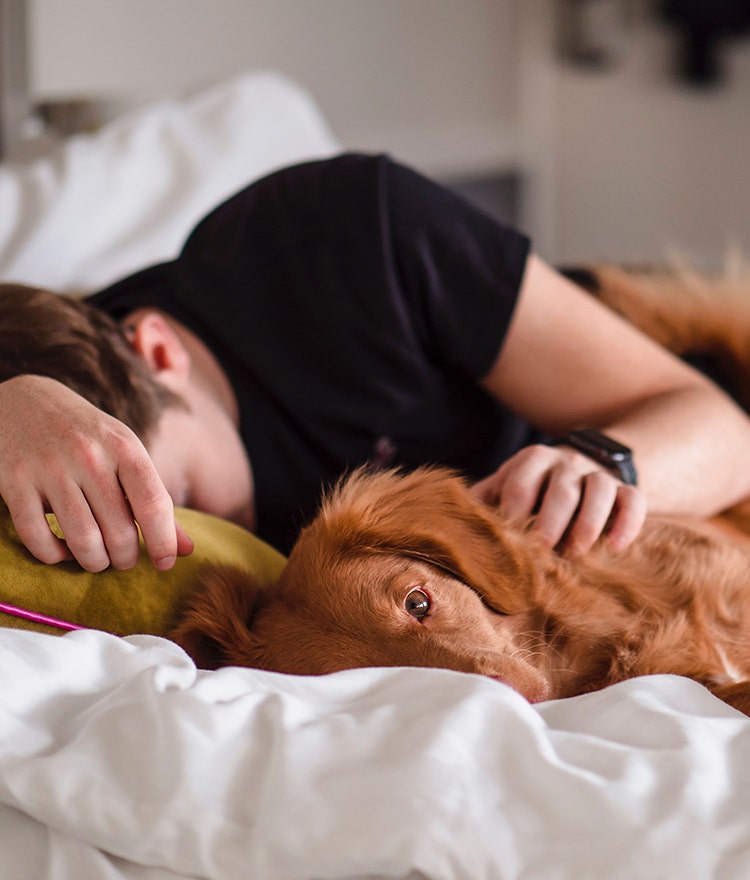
(163, 771)
(32, 851)
(662, 731)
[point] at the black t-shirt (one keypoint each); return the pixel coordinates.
(353, 305)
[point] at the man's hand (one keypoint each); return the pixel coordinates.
(573, 499)
(60, 454)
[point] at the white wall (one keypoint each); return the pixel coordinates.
(646, 164)
(431, 80)
(623, 164)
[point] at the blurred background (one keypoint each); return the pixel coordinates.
(607, 129)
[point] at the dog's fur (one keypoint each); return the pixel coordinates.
(388, 546)
(500, 602)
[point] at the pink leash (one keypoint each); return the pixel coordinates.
(34, 617)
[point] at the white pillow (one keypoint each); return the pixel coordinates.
(104, 205)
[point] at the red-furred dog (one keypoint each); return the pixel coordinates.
(409, 569)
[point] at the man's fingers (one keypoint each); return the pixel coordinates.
(574, 503)
(488, 490)
(629, 516)
(594, 512)
(29, 519)
(98, 521)
(521, 485)
(79, 526)
(118, 529)
(185, 544)
(153, 510)
(559, 504)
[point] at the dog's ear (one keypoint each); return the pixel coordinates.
(212, 625)
(431, 515)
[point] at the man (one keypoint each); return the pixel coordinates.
(350, 311)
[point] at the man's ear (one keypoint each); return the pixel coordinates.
(153, 338)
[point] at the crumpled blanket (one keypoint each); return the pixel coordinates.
(118, 759)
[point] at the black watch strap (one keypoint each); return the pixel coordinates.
(604, 450)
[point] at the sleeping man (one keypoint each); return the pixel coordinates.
(337, 313)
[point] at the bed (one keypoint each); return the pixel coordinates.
(119, 759)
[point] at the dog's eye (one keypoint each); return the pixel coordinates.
(417, 603)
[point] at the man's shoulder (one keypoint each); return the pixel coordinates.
(341, 169)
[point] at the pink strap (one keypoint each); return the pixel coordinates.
(34, 617)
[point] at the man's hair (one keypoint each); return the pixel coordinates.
(48, 334)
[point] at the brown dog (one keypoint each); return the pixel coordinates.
(408, 569)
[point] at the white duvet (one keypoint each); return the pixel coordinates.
(120, 760)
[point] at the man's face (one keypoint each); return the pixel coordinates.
(202, 461)
(196, 448)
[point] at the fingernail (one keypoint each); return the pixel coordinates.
(165, 563)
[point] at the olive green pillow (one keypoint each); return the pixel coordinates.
(141, 600)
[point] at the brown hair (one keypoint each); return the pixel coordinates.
(47, 334)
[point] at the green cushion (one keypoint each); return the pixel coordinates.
(142, 600)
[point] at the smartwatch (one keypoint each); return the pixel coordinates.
(604, 450)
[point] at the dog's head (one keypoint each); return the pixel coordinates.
(396, 570)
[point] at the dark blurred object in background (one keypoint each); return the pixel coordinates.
(592, 33)
(704, 25)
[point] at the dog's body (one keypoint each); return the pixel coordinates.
(409, 569)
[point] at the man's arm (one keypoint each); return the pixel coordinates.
(568, 362)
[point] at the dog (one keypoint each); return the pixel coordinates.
(409, 569)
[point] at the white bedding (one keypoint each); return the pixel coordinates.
(106, 204)
(120, 760)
